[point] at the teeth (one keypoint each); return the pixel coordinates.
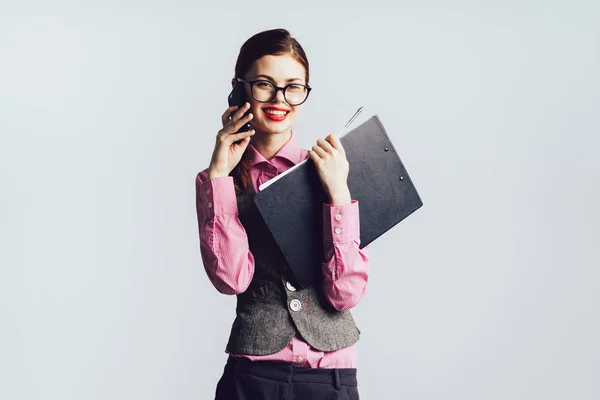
(275, 112)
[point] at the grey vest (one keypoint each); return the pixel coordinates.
(271, 311)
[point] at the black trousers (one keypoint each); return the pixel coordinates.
(264, 380)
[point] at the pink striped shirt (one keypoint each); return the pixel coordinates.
(229, 263)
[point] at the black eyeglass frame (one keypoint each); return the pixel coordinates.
(277, 88)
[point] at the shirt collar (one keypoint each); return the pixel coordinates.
(290, 151)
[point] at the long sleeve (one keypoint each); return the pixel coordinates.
(226, 256)
(346, 266)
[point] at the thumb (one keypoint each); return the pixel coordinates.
(244, 143)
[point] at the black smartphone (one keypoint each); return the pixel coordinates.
(238, 97)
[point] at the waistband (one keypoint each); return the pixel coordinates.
(286, 372)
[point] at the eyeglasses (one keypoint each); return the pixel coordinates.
(265, 91)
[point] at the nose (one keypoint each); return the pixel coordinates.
(279, 97)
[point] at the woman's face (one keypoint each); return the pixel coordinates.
(280, 70)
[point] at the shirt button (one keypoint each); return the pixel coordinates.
(209, 205)
(295, 305)
(338, 216)
(338, 230)
(299, 359)
(290, 287)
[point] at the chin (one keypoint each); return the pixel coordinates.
(275, 128)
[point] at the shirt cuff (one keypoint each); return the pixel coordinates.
(341, 223)
(217, 196)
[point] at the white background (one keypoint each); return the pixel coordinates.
(109, 109)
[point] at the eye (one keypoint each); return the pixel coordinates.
(264, 84)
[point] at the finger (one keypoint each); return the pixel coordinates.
(240, 112)
(314, 156)
(243, 143)
(235, 126)
(325, 145)
(335, 142)
(227, 113)
(239, 136)
(320, 152)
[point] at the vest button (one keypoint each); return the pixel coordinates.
(290, 287)
(295, 305)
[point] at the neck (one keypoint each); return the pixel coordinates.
(268, 144)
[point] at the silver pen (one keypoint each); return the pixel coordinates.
(270, 181)
(350, 121)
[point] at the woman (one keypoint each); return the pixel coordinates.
(284, 343)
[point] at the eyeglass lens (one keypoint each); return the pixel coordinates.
(265, 91)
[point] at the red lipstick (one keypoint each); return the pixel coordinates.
(273, 117)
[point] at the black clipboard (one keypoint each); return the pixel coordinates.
(292, 206)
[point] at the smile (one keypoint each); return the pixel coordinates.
(275, 114)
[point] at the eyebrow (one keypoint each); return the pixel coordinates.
(271, 79)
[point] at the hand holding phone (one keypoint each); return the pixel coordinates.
(230, 142)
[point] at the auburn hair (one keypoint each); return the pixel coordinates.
(270, 42)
